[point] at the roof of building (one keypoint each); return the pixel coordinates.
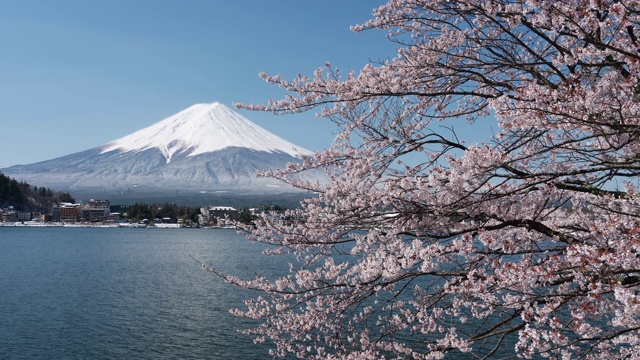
(222, 208)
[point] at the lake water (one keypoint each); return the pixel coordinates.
(125, 293)
(117, 293)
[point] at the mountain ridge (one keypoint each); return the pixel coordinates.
(186, 131)
(204, 149)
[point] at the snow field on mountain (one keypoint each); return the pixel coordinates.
(204, 128)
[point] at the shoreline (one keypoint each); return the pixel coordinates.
(38, 224)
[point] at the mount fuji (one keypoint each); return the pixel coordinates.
(204, 149)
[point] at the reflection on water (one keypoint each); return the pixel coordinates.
(110, 293)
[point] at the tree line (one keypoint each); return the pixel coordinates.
(140, 211)
(24, 197)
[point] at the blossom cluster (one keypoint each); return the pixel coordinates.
(419, 244)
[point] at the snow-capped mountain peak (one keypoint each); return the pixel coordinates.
(203, 128)
(205, 149)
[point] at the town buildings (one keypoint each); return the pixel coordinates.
(100, 211)
(212, 214)
(94, 211)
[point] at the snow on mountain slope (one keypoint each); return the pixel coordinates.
(206, 148)
(203, 128)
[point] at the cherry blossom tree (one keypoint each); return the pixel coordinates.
(422, 244)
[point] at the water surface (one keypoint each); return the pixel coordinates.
(116, 293)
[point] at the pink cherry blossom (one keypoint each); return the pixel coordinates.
(421, 243)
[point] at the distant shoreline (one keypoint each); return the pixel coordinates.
(90, 225)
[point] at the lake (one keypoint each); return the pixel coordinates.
(121, 293)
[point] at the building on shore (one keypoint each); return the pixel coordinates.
(211, 214)
(67, 212)
(96, 211)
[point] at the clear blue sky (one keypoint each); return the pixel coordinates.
(76, 74)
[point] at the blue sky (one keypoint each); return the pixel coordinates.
(77, 74)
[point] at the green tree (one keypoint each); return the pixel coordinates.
(139, 211)
(245, 216)
(66, 197)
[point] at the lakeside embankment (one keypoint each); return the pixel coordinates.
(85, 225)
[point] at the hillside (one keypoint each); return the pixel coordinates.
(204, 150)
